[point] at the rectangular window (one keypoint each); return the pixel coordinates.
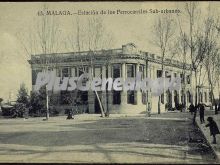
(66, 72)
(182, 78)
(97, 71)
(131, 70)
(34, 75)
(81, 70)
(116, 70)
(58, 72)
(159, 73)
(116, 97)
(141, 69)
(130, 97)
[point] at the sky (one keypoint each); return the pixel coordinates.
(17, 18)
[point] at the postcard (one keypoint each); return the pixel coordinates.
(110, 82)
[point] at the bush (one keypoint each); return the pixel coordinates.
(37, 103)
(7, 111)
(19, 110)
(23, 95)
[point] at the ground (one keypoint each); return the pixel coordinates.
(165, 138)
(206, 131)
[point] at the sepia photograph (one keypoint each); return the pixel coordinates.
(110, 82)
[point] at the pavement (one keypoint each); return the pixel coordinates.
(206, 132)
(164, 138)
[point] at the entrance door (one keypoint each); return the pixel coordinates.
(169, 100)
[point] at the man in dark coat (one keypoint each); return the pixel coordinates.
(191, 108)
(201, 113)
(216, 109)
(213, 128)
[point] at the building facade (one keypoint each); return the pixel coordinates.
(124, 62)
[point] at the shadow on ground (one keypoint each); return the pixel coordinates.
(154, 138)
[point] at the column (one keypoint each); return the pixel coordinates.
(109, 94)
(123, 93)
(91, 94)
(77, 71)
(139, 96)
(148, 92)
(172, 92)
(178, 96)
(165, 95)
(57, 94)
(104, 98)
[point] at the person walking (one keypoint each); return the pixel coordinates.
(191, 108)
(213, 129)
(201, 113)
(216, 109)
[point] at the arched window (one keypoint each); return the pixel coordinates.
(205, 96)
(176, 97)
(200, 97)
(188, 97)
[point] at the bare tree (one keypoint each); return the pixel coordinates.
(44, 37)
(91, 35)
(211, 49)
(163, 32)
(195, 43)
(181, 49)
(201, 39)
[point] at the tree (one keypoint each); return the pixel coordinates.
(38, 102)
(91, 35)
(22, 105)
(211, 49)
(195, 43)
(44, 37)
(22, 96)
(191, 35)
(163, 32)
(182, 49)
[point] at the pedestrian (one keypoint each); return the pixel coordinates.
(191, 108)
(216, 109)
(201, 113)
(194, 115)
(69, 114)
(213, 129)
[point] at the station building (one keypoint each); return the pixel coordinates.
(123, 62)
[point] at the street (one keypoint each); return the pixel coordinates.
(165, 138)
